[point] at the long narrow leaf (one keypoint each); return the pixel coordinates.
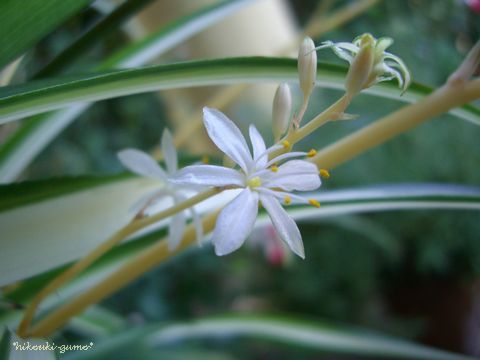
(326, 337)
(24, 100)
(100, 209)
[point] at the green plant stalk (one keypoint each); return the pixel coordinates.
(79, 266)
(137, 266)
(440, 101)
(443, 99)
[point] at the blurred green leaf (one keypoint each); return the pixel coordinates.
(36, 132)
(316, 335)
(24, 23)
(37, 97)
(97, 212)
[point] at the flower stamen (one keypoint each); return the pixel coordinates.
(287, 200)
(274, 168)
(286, 144)
(311, 153)
(314, 202)
(324, 173)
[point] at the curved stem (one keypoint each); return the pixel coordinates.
(146, 260)
(85, 262)
(440, 101)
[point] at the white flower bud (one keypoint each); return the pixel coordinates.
(361, 66)
(307, 66)
(282, 107)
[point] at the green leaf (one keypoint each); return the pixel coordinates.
(24, 23)
(306, 334)
(5, 341)
(81, 217)
(37, 97)
(35, 133)
(78, 47)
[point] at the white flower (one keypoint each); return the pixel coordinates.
(386, 66)
(143, 164)
(262, 181)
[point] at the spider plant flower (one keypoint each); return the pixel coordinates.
(143, 164)
(369, 62)
(262, 181)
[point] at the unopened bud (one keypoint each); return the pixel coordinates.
(282, 107)
(361, 66)
(307, 66)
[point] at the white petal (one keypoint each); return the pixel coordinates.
(298, 175)
(235, 222)
(169, 151)
(198, 225)
(227, 136)
(176, 230)
(141, 163)
(284, 225)
(258, 146)
(208, 175)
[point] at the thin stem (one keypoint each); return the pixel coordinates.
(440, 101)
(85, 262)
(140, 264)
(331, 113)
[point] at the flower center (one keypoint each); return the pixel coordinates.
(254, 182)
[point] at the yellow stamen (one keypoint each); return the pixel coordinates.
(274, 168)
(324, 173)
(287, 200)
(312, 153)
(314, 202)
(286, 144)
(205, 159)
(254, 182)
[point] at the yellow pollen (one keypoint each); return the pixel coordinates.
(287, 200)
(324, 173)
(274, 168)
(286, 144)
(312, 153)
(314, 202)
(254, 182)
(205, 159)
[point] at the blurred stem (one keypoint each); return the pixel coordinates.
(321, 24)
(137, 266)
(79, 266)
(440, 101)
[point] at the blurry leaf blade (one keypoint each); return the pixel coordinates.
(21, 101)
(304, 334)
(89, 229)
(63, 227)
(18, 18)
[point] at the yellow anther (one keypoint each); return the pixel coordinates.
(205, 159)
(314, 202)
(324, 173)
(312, 153)
(286, 144)
(254, 182)
(287, 200)
(274, 168)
